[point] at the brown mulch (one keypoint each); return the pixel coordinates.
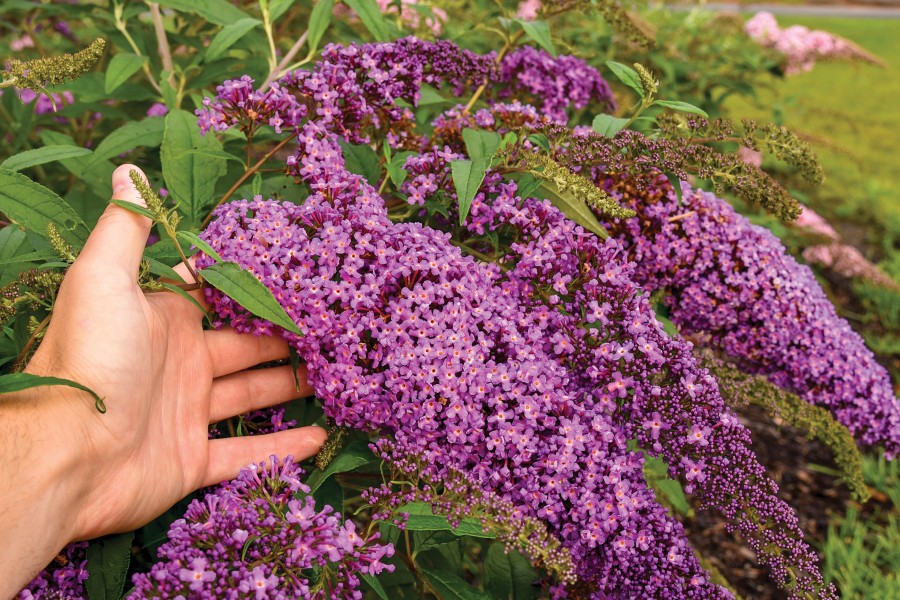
(816, 497)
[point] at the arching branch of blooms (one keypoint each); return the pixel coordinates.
(733, 283)
(498, 383)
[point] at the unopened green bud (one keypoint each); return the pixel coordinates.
(648, 82)
(53, 70)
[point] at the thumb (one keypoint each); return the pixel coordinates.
(117, 242)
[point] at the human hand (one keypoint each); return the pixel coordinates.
(163, 379)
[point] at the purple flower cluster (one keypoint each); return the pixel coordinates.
(648, 384)
(553, 84)
(734, 284)
(257, 537)
(351, 90)
(64, 578)
(531, 375)
(406, 335)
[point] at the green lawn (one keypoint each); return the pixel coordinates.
(855, 108)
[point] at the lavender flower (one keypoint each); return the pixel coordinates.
(733, 284)
(257, 537)
(64, 578)
(553, 84)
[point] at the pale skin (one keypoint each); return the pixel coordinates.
(68, 472)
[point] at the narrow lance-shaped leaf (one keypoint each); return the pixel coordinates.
(574, 208)
(190, 173)
(220, 12)
(480, 144)
(356, 454)
(452, 587)
(468, 176)
(228, 36)
(245, 289)
(146, 133)
(121, 67)
(319, 20)
(40, 156)
(16, 382)
(627, 75)
(539, 31)
(681, 106)
(509, 575)
(369, 13)
(192, 238)
(34, 207)
(107, 566)
(607, 125)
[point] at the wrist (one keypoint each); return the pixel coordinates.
(41, 463)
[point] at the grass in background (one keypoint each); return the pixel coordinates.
(862, 554)
(854, 110)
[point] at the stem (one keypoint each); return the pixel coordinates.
(282, 67)
(20, 359)
(244, 178)
(267, 25)
(510, 43)
(162, 42)
(121, 27)
(645, 103)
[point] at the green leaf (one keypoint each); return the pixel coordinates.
(509, 576)
(245, 289)
(16, 382)
(681, 106)
(426, 540)
(228, 36)
(278, 8)
(34, 207)
(422, 518)
(480, 144)
(656, 471)
(467, 178)
(626, 75)
(376, 586)
(161, 269)
(190, 176)
(608, 125)
(527, 184)
(132, 207)
(448, 586)
(429, 96)
(395, 167)
(540, 140)
(539, 31)
(362, 160)
(121, 67)
(353, 455)
(147, 132)
(675, 182)
(192, 238)
(370, 15)
(319, 20)
(574, 208)
(14, 248)
(42, 155)
(107, 566)
(220, 12)
(331, 494)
